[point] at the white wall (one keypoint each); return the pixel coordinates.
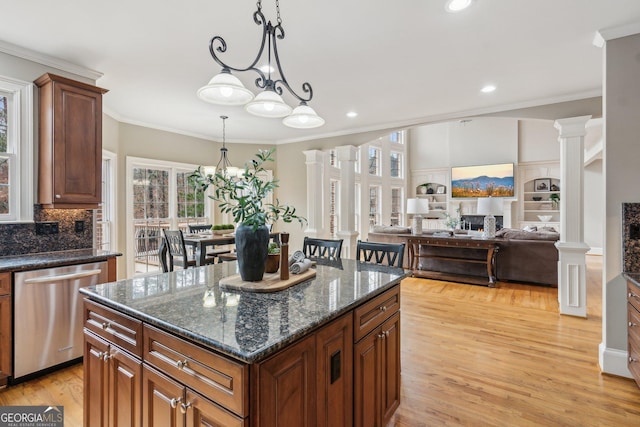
(538, 141)
(594, 207)
(622, 175)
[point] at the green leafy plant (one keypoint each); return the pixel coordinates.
(452, 221)
(274, 249)
(555, 199)
(222, 227)
(244, 196)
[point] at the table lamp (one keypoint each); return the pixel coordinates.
(489, 206)
(417, 207)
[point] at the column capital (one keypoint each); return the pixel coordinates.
(572, 127)
(313, 156)
(346, 153)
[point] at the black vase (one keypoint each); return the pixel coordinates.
(252, 248)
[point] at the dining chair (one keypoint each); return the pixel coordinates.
(391, 254)
(196, 228)
(322, 248)
(177, 250)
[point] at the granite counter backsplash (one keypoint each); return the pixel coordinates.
(21, 238)
(631, 237)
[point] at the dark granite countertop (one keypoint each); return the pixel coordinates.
(247, 326)
(53, 259)
(633, 278)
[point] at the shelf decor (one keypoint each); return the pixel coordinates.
(542, 184)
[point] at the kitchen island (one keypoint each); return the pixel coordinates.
(179, 346)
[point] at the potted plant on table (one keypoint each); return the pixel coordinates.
(244, 197)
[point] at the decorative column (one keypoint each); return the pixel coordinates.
(347, 227)
(572, 284)
(315, 172)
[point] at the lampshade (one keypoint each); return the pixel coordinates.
(489, 206)
(268, 104)
(417, 206)
(225, 89)
(303, 117)
(209, 170)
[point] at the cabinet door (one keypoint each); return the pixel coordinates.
(162, 397)
(96, 385)
(285, 387)
(366, 402)
(77, 145)
(334, 350)
(125, 389)
(390, 368)
(201, 412)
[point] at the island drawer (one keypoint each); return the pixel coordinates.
(115, 327)
(370, 315)
(5, 283)
(222, 380)
(633, 295)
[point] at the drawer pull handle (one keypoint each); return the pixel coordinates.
(382, 308)
(631, 324)
(381, 335)
(104, 356)
(182, 364)
(58, 196)
(386, 334)
(632, 295)
(184, 407)
(174, 402)
(631, 359)
(106, 325)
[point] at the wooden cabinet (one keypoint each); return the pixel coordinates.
(112, 384)
(309, 383)
(170, 403)
(70, 147)
(633, 330)
(5, 328)
(377, 361)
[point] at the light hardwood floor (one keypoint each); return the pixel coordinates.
(471, 356)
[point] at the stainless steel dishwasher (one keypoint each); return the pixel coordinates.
(48, 320)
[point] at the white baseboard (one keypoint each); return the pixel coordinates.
(595, 251)
(613, 361)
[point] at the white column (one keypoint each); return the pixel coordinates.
(315, 165)
(572, 284)
(347, 226)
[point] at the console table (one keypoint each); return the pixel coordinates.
(458, 259)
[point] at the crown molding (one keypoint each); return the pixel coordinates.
(607, 34)
(50, 61)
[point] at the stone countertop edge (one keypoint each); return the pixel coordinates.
(633, 278)
(40, 260)
(214, 345)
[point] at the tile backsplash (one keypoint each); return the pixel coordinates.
(21, 238)
(631, 237)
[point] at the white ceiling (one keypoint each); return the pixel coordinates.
(396, 63)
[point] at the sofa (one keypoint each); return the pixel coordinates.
(528, 256)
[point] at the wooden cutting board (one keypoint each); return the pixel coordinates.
(270, 282)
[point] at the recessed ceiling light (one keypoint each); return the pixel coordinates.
(488, 89)
(457, 5)
(352, 114)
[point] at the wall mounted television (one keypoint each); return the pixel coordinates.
(483, 181)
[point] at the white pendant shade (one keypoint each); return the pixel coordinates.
(225, 89)
(268, 104)
(303, 117)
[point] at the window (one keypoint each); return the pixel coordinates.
(396, 206)
(374, 205)
(104, 234)
(396, 137)
(160, 198)
(16, 150)
(396, 165)
(374, 161)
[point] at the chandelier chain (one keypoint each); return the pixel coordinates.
(278, 18)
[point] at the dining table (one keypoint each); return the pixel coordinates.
(200, 242)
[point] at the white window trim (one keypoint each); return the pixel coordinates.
(113, 237)
(132, 162)
(22, 184)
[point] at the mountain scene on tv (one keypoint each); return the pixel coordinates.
(479, 181)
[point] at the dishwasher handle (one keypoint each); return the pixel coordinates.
(69, 276)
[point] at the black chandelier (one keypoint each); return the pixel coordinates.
(226, 89)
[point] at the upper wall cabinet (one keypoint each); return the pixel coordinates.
(70, 148)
